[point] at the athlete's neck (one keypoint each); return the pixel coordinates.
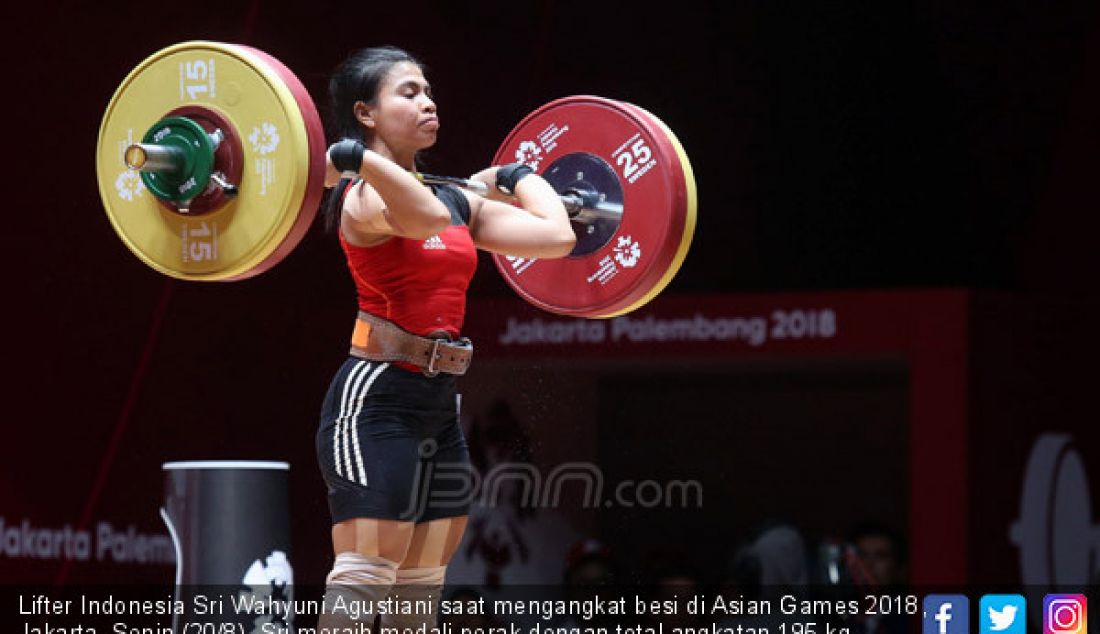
(406, 160)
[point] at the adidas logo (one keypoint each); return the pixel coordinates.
(434, 243)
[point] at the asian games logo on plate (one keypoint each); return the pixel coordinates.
(530, 153)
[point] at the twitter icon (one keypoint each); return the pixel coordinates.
(1002, 614)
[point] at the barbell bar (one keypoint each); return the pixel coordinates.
(211, 160)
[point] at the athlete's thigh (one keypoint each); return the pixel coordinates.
(389, 539)
(433, 543)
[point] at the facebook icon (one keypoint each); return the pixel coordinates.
(946, 614)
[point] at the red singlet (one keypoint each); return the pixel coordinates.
(419, 285)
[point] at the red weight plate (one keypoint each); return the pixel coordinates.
(315, 184)
(620, 275)
(685, 179)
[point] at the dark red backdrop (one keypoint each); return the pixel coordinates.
(841, 146)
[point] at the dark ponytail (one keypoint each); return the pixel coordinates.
(357, 78)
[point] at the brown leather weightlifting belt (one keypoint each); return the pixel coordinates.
(378, 339)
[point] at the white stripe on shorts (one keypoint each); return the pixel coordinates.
(345, 400)
(355, 422)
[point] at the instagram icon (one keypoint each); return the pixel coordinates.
(1065, 614)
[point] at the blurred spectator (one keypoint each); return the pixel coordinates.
(588, 572)
(779, 553)
(587, 563)
(774, 562)
(499, 540)
(882, 551)
(673, 582)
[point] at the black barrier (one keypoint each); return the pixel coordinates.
(230, 525)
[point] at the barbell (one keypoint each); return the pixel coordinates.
(211, 159)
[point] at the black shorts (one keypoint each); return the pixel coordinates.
(390, 445)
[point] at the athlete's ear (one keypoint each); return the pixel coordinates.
(364, 113)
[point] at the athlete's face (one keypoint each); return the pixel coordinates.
(404, 115)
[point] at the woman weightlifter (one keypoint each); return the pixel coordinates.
(392, 406)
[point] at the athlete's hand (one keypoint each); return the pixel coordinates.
(344, 156)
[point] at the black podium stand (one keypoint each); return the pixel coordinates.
(230, 524)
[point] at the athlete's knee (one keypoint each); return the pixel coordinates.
(420, 590)
(353, 589)
(355, 569)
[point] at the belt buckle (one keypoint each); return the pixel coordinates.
(430, 371)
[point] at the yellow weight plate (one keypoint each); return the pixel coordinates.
(235, 239)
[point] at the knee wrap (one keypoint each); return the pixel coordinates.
(353, 569)
(353, 588)
(419, 590)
